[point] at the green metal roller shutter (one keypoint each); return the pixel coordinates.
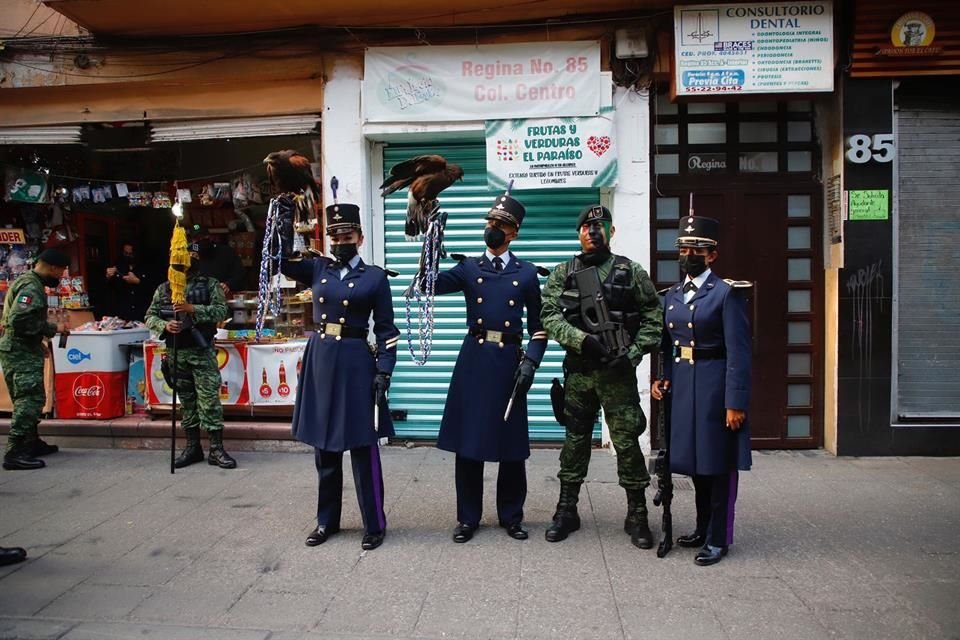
(547, 238)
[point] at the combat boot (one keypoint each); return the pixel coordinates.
(636, 521)
(19, 457)
(566, 520)
(218, 456)
(38, 447)
(192, 453)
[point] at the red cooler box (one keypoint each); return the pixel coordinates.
(91, 373)
(91, 394)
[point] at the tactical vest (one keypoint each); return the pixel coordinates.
(198, 293)
(617, 291)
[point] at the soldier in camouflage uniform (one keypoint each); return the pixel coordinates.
(198, 375)
(593, 378)
(24, 326)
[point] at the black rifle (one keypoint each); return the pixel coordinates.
(661, 466)
(186, 324)
(596, 314)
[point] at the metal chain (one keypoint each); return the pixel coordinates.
(424, 288)
(269, 267)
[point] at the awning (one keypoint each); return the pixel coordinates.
(40, 135)
(233, 128)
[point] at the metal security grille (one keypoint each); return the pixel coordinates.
(928, 326)
(547, 238)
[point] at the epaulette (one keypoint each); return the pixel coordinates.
(739, 284)
(459, 257)
(391, 273)
(543, 271)
(664, 291)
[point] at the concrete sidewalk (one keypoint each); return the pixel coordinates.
(119, 548)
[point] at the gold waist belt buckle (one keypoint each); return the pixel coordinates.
(332, 329)
(494, 336)
(686, 353)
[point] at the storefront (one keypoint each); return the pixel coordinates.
(899, 304)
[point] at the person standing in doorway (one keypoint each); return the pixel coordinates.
(128, 281)
(706, 349)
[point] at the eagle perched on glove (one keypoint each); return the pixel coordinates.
(289, 172)
(426, 176)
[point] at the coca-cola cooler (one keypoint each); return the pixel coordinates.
(91, 372)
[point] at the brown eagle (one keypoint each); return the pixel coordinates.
(289, 172)
(426, 176)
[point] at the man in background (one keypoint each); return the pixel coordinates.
(219, 260)
(129, 284)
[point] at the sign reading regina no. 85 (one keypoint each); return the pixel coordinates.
(485, 82)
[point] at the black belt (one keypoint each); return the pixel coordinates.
(342, 331)
(699, 353)
(497, 337)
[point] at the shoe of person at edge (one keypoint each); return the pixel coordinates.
(372, 540)
(19, 459)
(320, 535)
(516, 530)
(12, 555)
(709, 555)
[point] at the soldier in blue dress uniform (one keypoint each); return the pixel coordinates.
(706, 348)
(343, 376)
(497, 286)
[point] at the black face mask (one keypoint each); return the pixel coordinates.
(50, 281)
(206, 248)
(343, 253)
(693, 265)
(494, 237)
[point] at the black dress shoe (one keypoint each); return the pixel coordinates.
(41, 448)
(320, 534)
(463, 532)
(692, 540)
(372, 540)
(710, 555)
(516, 531)
(12, 555)
(20, 460)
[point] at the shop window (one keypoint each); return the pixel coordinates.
(798, 206)
(706, 133)
(798, 238)
(667, 163)
(667, 239)
(799, 301)
(799, 131)
(799, 161)
(668, 208)
(798, 333)
(664, 106)
(706, 107)
(668, 270)
(799, 364)
(758, 107)
(798, 269)
(798, 426)
(798, 395)
(753, 132)
(799, 106)
(667, 134)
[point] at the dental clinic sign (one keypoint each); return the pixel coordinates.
(771, 47)
(552, 153)
(436, 84)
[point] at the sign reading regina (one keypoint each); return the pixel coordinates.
(434, 84)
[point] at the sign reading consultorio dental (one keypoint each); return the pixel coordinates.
(435, 84)
(551, 153)
(771, 47)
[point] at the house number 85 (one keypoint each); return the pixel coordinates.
(862, 148)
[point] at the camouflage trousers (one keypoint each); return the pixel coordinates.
(198, 388)
(615, 390)
(23, 373)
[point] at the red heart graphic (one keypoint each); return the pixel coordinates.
(598, 144)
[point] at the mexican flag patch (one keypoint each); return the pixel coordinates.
(24, 301)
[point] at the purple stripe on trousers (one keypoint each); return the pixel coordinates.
(377, 474)
(731, 501)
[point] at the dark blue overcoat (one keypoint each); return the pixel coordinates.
(483, 377)
(334, 409)
(715, 318)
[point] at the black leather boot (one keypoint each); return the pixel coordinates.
(218, 456)
(12, 555)
(192, 453)
(566, 520)
(636, 521)
(20, 458)
(40, 448)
